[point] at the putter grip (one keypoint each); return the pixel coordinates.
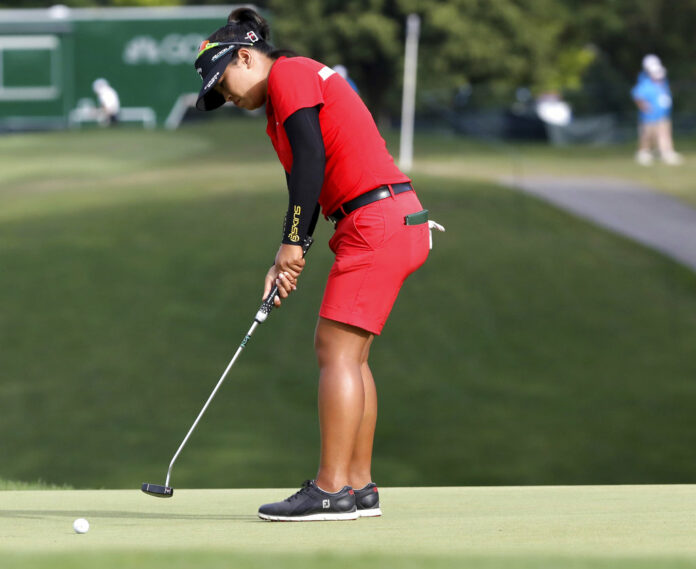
(268, 303)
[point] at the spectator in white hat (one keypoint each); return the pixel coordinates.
(654, 100)
(109, 103)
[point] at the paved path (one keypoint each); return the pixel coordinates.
(651, 218)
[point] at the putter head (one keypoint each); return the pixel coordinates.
(157, 490)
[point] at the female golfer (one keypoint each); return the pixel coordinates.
(334, 158)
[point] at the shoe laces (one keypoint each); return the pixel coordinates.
(306, 485)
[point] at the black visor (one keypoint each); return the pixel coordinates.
(211, 62)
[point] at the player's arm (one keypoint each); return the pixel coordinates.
(307, 174)
(304, 186)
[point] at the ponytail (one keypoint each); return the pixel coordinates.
(240, 24)
(247, 20)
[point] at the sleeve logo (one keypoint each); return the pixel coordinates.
(294, 236)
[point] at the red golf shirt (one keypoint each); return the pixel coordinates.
(357, 159)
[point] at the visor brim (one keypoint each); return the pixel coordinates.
(208, 98)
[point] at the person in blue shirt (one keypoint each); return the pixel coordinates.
(654, 100)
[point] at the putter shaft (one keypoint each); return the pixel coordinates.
(212, 396)
(261, 315)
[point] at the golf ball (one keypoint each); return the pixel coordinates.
(81, 525)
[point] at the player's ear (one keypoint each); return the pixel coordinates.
(245, 56)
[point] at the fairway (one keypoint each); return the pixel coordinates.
(533, 348)
(559, 527)
(526, 351)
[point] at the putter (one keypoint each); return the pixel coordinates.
(267, 305)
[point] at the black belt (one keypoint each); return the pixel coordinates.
(367, 198)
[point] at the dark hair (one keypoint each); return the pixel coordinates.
(242, 21)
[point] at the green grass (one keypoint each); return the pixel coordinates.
(480, 528)
(6, 485)
(532, 348)
(459, 158)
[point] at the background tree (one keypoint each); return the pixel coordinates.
(541, 44)
(363, 35)
(509, 42)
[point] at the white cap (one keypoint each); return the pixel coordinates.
(653, 66)
(99, 84)
(59, 12)
(341, 70)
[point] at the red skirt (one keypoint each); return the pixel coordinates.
(375, 252)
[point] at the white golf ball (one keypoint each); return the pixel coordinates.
(81, 525)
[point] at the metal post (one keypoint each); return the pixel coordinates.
(409, 93)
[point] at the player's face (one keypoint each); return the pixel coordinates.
(244, 81)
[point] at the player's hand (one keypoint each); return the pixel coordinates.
(290, 259)
(286, 284)
(289, 263)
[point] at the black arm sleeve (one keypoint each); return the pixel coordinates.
(307, 175)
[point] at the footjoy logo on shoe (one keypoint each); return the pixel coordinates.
(326, 504)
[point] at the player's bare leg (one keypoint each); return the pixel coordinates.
(340, 350)
(360, 472)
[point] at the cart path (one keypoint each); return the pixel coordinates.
(654, 219)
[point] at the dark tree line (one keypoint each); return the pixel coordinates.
(542, 44)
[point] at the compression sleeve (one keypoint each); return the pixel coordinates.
(307, 174)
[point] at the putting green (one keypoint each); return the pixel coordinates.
(580, 526)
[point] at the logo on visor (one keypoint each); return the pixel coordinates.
(223, 52)
(212, 82)
(202, 46)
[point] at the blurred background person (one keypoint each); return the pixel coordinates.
(109, 103)
(552, 109)
(654, 100)
(342, 70)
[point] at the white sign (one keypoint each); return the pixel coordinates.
(173, 49)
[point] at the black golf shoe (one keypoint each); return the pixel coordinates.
(310, 504)
(367, 501)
